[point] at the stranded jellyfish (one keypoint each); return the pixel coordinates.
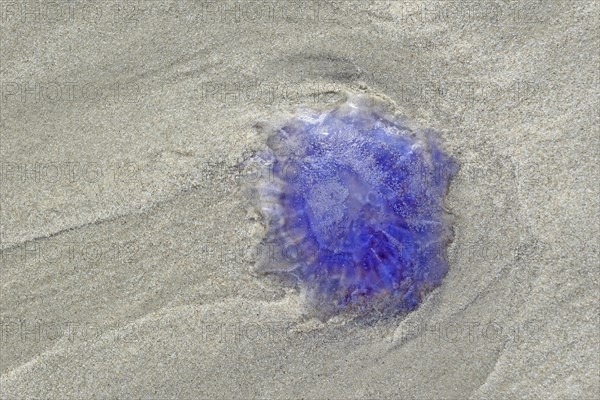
(353, 204)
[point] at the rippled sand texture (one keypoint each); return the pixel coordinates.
(129, 249)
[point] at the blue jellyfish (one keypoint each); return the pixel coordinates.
(353, 204)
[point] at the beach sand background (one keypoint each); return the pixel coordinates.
(127, 263)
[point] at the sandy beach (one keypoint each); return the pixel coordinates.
(128, 244)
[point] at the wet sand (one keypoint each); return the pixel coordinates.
(128, 241)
